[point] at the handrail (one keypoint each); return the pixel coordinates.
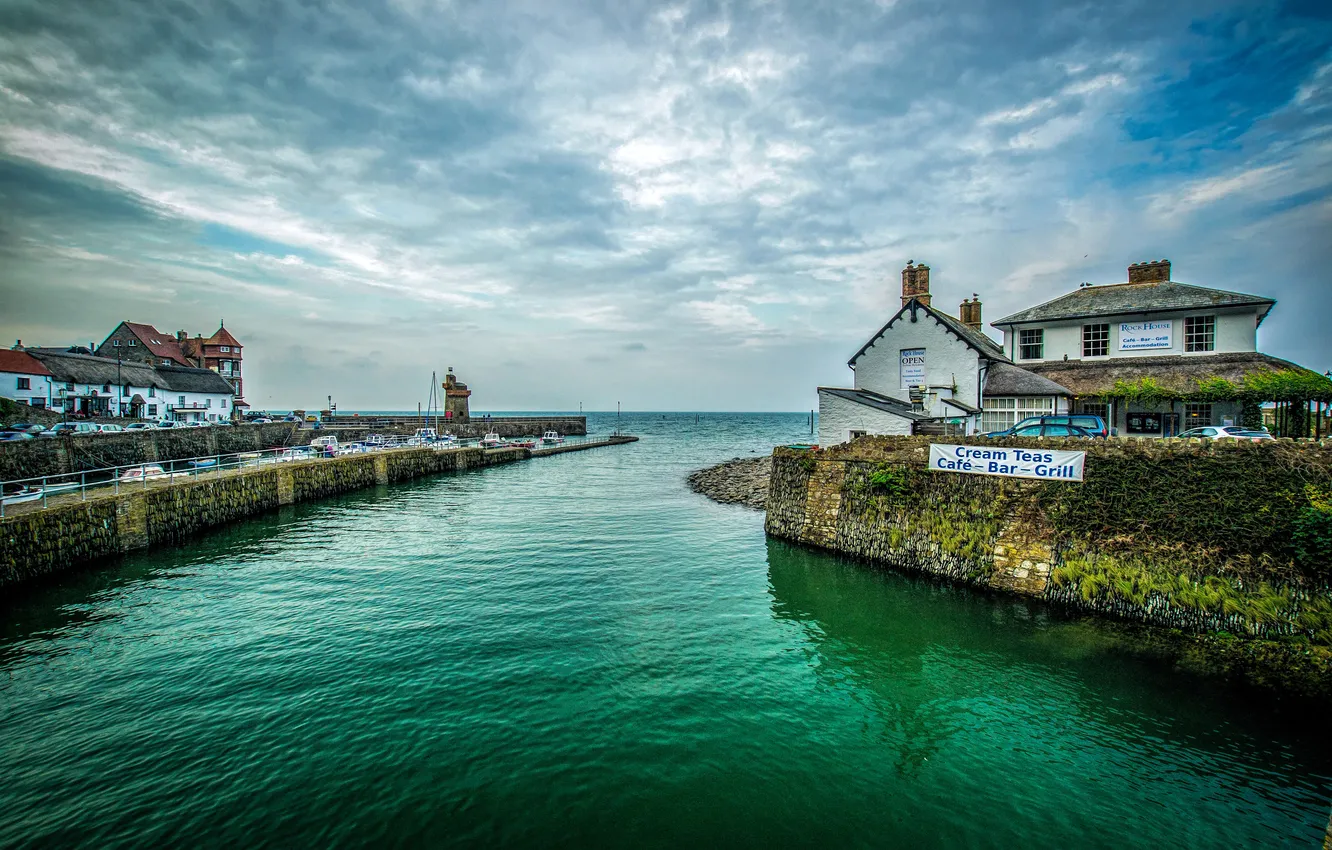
(200, 465)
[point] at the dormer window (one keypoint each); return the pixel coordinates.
(132, 342)
(1031, 344)
(226, 349)
(115, 343)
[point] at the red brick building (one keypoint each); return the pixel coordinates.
(133, 342)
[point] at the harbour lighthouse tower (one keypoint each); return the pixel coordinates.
(455, 398)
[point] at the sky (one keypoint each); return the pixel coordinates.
(694, 206)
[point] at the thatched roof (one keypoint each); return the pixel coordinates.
(182, 380)
(1177, 375)
(1005, 379)
(88, 369)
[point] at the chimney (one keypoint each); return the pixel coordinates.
(1150, 271)
(180, 336)
(916, 283)
(18, 345)
(970, 312)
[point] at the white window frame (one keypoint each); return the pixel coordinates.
(1037, 334)
(1199, 333)
(1096, 335)
(1001, 414)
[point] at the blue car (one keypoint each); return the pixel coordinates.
(1091, 426)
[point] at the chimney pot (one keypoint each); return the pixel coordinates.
(970, 313)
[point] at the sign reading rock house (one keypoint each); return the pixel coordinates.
(913, 368)
(1042, 464)
(1141, 336)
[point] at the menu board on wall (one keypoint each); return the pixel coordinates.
(913, 367)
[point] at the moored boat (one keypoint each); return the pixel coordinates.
(32, 493)
(492, 441)
(551, 438)
(142, 473)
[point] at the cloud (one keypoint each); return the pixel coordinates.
(728, 190)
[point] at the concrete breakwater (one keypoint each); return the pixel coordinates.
(72, 532)
(1229, 540)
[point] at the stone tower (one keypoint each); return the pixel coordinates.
(455, 398)
(916, 283)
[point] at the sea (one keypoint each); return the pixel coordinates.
(577, 651)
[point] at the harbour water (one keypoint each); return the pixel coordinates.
(578, 651)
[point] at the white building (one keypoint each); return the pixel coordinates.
(1094, 350)
(1150, 327)
(86, 385)
(926, 371)
(24, 379)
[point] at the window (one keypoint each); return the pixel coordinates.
(70, 386)
(1095, 340)
(115, 343)
(854, 434)
(226, 349)
(1095, 408)
(39, 403)
(208, 402)
(1000, 414)
(124, 391)
(25, 383)
(1200, 333)
(106, 388)
(1197, 415)
(166, 362)
(152, 410)
(1029, 431)
(132, 343)
(223, 405)
(180, 401)
(152, 392)
(1031, 344)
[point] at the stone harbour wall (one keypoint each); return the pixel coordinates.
(62, 455)
(1206, 537)
(358, 427)
(71, 532)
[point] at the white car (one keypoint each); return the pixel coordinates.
(139, 426)
(1223, 432)
(109, 429)
(164, 423)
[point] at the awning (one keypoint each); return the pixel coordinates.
(138, 399)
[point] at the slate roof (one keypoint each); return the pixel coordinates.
(1123, 299)
(1005, 379)
(1174, 373)
(21, 362)
(160, 344)
(961, 405)
(983, 345)
(883, 403)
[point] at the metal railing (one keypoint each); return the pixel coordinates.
(41, 488)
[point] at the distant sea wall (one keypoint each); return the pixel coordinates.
(357, 427)
(62, 455)
(1221, 538)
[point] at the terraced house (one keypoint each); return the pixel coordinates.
(142, 343)
(1151, 356)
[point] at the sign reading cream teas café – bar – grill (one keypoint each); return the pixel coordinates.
(1043, 464)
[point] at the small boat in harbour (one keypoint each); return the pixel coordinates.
(492, 441)
(32, 493)
(522, 443)
(551, 438)
(142, 473)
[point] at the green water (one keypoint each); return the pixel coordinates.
(577, 651)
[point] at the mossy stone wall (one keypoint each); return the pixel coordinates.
(1209, 537)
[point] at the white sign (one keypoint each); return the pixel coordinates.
(913, 367)
(1045, 464)
(1138, 336)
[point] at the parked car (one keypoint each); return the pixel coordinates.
(1223, 432)
(195, 423)
(1050, 430)
(312, 418)
(27, 428)
(291, 418)
(262, 420)
(139, 426)
(164, 423)
(15, 436)
(1094, 425)
(68, 429)
(109, 429)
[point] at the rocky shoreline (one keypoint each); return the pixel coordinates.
(741, 481)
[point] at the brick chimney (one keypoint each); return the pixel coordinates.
(916, 283)
(1150, 271)
(18, 345)
(970, 312)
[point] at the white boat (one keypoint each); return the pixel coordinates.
(33, 493)
(551, 438)
(492, 441)
(143, 473)
(445, 441)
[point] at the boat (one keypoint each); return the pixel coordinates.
(31, 493)
(142, 473)
(492, 441)
(551, 438)
(523, 443)
(206, 463)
